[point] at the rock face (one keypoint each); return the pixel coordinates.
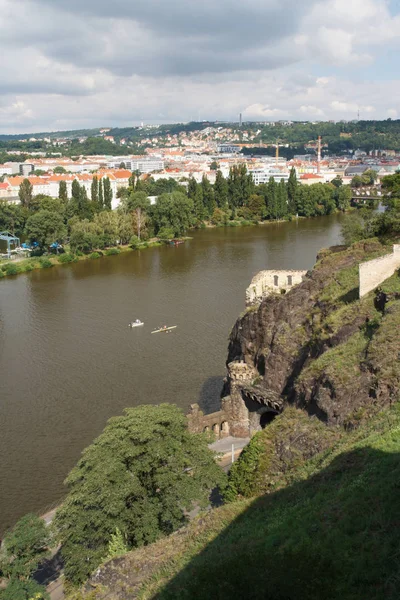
(318, 347)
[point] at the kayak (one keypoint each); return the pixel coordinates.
(164, 329)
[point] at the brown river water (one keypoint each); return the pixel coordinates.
(69, 361)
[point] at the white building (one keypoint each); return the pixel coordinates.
(263, 175)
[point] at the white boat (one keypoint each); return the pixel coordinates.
(164, 329)
(136, 323)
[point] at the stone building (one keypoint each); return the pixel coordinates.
(269, 282)
(247, 409)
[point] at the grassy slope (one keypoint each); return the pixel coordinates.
(330, 533)
(324, 527)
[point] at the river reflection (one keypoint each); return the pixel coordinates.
(68, 360)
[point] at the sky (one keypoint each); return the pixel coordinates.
(97, 63)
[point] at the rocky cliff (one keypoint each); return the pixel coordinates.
(319, 346)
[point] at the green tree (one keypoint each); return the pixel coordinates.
(24, 590)
(139, 204)
(174, 211)
(291, 192)
(282, 200)
(12, 217)
(337, 182)
(85, 235)
(208, 196)
(221, 191)
(25, 193)
(108, 195)
(344, 197)
(75, 190)
(272, 199)
(45, 227)
(198, 203)
(240, 186)
(256, 206)
(59, 170)
(192, 188)
(141, 476)
(101, 194)
(24, 548)
(95, 190)
(107, 224)
(214, 166)
(63, 191)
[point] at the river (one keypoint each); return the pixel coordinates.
(68, 360)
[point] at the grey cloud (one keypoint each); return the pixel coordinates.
(165, 37)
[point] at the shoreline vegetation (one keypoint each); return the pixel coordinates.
(83, 222)
(9, 268)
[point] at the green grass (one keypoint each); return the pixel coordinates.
(329, 534)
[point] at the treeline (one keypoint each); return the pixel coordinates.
(367, 135)
(88, 223)
(237, 197)
(366, 224)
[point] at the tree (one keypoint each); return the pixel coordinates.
(240, 186)
(174, 211)
(24, 548)
(85, 236)
(24, 590)
(198, 203)
(208, 196)
(221, 191)
(101, 194)
(214, 165)
(63, 191)
(192, 188)
(344, 197)
(25, 193)
(281, 200)
(337, 182)
(122, 165)
(357, 181)
(256, 206)
(45, 227)
(12, 217)
(271, 199)
(95, 190)
(59, 170)
(141, 475)
(291, 192)
(108, 195)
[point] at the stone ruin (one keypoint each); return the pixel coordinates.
(266, 283)
(247, 409)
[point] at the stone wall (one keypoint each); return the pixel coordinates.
(217, 422)
(242, 411)
(268, 282)
(373, 272)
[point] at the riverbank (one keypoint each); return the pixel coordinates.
(17, 266)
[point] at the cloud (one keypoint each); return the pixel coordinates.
(92, 62)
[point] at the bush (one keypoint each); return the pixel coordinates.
(166, 233)
(134, 242)
(1, 273)
(10, 269)
(95, 255)
(45, 263)
(67, 258)
(112, 251)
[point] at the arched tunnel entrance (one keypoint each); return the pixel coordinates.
(266, 418)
